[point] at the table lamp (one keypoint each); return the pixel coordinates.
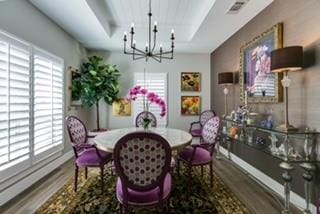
(285, 60)
(225, 79)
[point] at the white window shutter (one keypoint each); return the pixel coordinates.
(48, 104)
(153, 82)
(31, 105)
(14, 106)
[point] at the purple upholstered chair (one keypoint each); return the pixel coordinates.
(142, 162)
(201, 154)
(86, 155)
(196, 127)
(144, 114)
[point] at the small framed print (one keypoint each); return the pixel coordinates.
(190, 105)
(121, 107)
(190, 81)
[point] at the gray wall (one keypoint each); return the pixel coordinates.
(20, 18)
(181, 63)
(301, 27)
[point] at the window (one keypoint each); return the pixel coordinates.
(14, 103)
(154, 82)
(47, 103)
(31, 105)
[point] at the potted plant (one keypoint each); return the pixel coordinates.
(96, 81)
(149, 98)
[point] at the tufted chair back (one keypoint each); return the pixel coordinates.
(142, 160)
(144, 114)
(77, 130)
(205, 116)
(210, 130)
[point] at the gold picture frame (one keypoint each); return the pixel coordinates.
(121, 108)
(190, 105)
(191, 81)
(255, 76)
(75, 73)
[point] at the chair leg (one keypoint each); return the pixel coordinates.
(201, 171)
(76, 178)
(189, 179)
(178, 167)
(86, 172)
(124, 209)
(211, 175)
(101, 177)
(189, 171)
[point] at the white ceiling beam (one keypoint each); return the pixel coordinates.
(100, 10)
(200, 17)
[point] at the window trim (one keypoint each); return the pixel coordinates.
(33, 161)
(165, 74)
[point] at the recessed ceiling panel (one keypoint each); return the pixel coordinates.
(200, 25)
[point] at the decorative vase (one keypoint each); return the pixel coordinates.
(146, 123)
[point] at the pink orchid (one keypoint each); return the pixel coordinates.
(144, 91)
(151, 98)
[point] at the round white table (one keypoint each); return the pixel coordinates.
(175, 137)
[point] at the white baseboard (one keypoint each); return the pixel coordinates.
(295, 199)
(17, 188)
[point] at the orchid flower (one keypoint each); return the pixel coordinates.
(151, 97)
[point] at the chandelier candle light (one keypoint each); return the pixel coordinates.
(150, 47)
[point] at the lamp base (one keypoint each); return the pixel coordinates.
(287, 128)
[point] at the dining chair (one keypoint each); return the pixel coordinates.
(86, 154)
(144, 114)
(201, 154)
(142, 163)
(196, 127)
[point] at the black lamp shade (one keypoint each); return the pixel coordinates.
(225, 78)
(287, 59)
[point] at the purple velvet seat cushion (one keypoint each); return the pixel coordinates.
(147, 197)
(89, 157)
(196, 132)
(201, 156)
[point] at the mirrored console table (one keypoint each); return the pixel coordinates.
(290, 147)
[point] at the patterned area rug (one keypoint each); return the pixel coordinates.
(195, 197)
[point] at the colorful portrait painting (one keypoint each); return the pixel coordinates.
(256, 77)
(259, 79)
(190, 81)
(190, 105)
(121, 107)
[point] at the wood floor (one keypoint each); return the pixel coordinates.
(256, 198)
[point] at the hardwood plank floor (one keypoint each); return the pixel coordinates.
(257, 199)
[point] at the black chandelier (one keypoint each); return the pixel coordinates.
(148, 52)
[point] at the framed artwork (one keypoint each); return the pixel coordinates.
(75, 78)
(255, 76)
(190, 105)
(190, 81)
(121, 107)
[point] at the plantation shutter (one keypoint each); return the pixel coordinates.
(48, 104)
(153, 82)
(14, 106)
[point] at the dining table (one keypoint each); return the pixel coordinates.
(176, 138)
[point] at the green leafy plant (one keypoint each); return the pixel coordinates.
(96, 81)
